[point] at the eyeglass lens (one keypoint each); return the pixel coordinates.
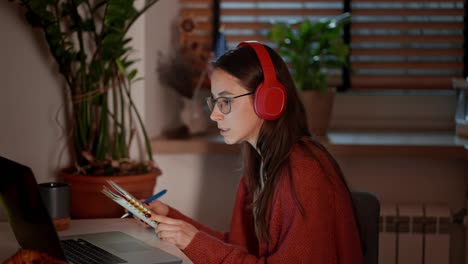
(224, 103)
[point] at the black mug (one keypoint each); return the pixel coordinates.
(56, 197)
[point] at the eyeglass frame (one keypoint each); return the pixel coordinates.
(211, 102)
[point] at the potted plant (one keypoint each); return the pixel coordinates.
(312, 49)
(88, 41)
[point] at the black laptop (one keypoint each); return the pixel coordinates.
(34, 229)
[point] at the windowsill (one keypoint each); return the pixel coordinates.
(437, 144)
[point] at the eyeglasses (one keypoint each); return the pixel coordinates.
(223, 103)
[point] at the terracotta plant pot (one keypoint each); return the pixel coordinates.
(87, 200)
(318, 107)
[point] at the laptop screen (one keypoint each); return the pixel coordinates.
(24, 209)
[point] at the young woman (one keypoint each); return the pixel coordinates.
(292, 204)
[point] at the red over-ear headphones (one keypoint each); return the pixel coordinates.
(270, 96)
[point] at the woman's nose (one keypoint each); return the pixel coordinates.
(216, 114)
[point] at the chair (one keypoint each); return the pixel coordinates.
(367, 208)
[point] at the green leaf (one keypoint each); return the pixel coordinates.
(121, 66)
(132, 74)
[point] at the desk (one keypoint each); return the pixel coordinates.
(8, 244)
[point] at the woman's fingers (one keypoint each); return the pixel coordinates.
(159, 208)
(181, 238)
(155, 207)
(165, 219)
(167, 238)
(168, 227)
(177, 232)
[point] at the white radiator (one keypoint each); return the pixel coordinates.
(414, 234)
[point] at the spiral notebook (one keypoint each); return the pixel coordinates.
(127, 201)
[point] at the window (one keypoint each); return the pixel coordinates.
(406, 44)
(402, 44)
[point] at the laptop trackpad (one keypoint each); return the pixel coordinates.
(126, 247)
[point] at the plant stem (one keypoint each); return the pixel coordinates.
(143, 130)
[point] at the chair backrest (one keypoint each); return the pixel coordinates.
(368, 212)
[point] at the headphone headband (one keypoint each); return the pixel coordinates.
(269, 73)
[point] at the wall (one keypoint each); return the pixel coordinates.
(31, 102)
(201, 186)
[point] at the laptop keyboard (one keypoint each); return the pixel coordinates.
(81, 251)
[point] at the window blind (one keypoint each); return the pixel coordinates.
(395, 44)
(405, 44)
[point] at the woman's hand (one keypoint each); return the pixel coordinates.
(177, 232)
(156, 207)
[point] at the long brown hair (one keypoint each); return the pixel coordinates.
(276, 138)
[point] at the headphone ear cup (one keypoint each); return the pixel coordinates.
(270, 102)
(270, 96)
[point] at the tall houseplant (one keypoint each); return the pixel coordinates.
(88, 41)
(312, 49)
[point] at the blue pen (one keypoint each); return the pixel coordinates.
(149, 200)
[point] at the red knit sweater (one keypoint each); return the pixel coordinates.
(326, 233)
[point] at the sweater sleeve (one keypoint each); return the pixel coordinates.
(210, 250)
(295, 237)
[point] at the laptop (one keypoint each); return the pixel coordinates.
(34, 229)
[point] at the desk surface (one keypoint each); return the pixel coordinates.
(9, 246)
